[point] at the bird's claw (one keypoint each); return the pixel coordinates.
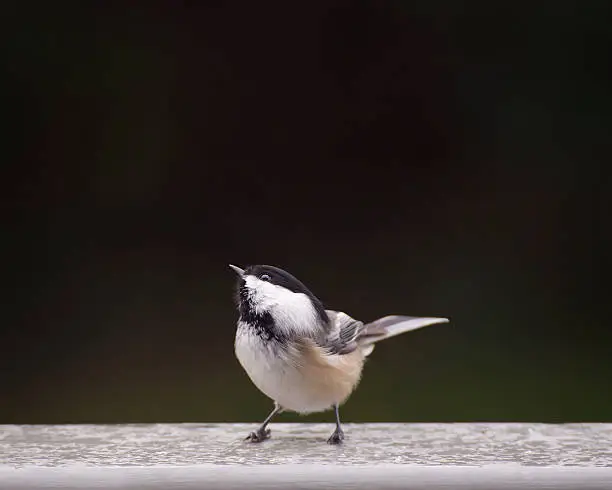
(258, 436)
(337, 437)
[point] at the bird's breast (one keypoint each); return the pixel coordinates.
(298, 375)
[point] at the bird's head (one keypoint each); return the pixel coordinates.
(272, 295)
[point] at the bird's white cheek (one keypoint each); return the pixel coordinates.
(293, 313)
(264, 295)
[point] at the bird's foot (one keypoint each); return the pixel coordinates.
(259, 435)
(337, 437)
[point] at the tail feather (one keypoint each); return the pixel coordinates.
(390, 326)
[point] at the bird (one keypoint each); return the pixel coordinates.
(302, 356)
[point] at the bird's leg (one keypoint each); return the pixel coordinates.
(262, 433)
(338, 436)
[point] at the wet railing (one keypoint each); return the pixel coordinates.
(423, 456)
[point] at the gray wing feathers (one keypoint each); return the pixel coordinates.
(347, 334)
(343, 334)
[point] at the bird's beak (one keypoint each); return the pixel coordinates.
(237, 270)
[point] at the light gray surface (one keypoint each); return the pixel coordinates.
(392, 455)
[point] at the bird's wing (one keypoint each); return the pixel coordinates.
(343, 333)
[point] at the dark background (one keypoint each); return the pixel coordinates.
(425, 158)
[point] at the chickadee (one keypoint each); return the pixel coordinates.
(302, 356)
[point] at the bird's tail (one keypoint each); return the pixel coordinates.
(390, 326)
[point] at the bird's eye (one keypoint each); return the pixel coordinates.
(265, 277)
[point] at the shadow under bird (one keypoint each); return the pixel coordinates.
(302, 356)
